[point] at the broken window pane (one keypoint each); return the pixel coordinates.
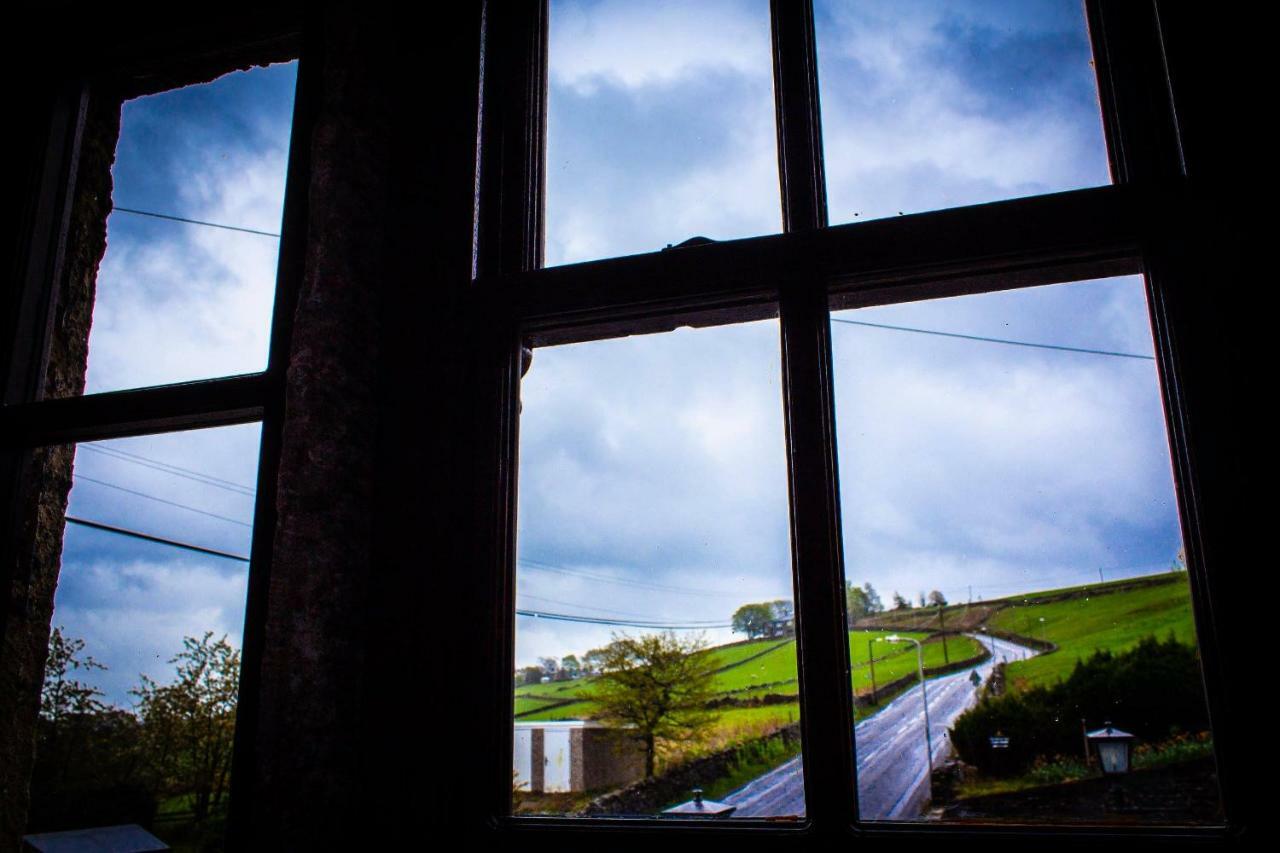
(660, 126)
(655, 630)
(933, 104)
(139, 697)
(1010, 526)
(186, 288)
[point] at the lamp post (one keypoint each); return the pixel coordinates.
(924, 695)
(871, 662)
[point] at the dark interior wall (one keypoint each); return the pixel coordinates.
(44, 479)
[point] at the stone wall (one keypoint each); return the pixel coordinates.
(46, 473)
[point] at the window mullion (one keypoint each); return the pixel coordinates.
(826, 706)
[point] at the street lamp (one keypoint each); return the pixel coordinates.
(924, 695)
(1114, 748)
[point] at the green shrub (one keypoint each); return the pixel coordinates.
(1153, 690)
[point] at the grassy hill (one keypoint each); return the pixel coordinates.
(755, 669)
(1079, 620)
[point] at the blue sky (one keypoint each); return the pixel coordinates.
(177, 302)
(659, 461)
(653, 478)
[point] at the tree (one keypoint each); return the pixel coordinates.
(855, 602)
(937, 599)
(753, 620)
(62, 696)
(550, 666)
(570, 667)
(874, 604)
(923, 602)
(189, 723)
(900, 603)
(530, 675)
(592, 661)
(783, 619)
(657, 685)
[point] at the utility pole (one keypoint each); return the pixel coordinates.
(942, 627)
(871, 662)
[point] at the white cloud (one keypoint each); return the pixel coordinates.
(134, 615)
(634, 45)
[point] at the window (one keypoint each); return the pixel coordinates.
(950, 256)
(160, 484)
(397, 455)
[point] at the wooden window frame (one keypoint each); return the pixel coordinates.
(1133, 226)
(1139, 224)
(29, 419)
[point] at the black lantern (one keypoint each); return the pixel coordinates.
(1114, 748)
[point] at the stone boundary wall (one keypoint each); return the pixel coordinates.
(648, 796)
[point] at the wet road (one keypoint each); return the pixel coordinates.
(892, 773)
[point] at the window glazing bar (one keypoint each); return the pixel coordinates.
(826, 715)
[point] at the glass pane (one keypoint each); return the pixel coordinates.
(655, 632)
(1010, 526)
(929, 104)
(186, 287)
(660, 126)
(139, 698)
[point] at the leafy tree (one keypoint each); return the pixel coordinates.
(592, 661)
(900, 603)
(550, 666)
(753, 620)
(570, 667)
(784, 614)
(874, 604)
(657, 685)
(855, 602)
(61, 695)
(531, 675)
(90, 768)
(189, 723)
(937, 599)
(923, 602)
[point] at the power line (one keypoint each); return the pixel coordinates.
(526, 597)
(168, 468)
(147, 537)
(617, 623)
(991, 340)
(551, 567)
(536, 614)
(83, 478)
(167, 216)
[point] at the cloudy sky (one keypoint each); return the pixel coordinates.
(653, 478)
(177, 302)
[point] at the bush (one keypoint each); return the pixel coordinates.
(1153, 690)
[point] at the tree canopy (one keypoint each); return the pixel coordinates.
(189, 723)
(658, 686)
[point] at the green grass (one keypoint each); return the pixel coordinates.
(1081, 626)
(572, 711)
(895, 660)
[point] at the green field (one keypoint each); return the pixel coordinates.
(1096, 619)
(756, 669)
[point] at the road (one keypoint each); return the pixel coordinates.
(892, 774)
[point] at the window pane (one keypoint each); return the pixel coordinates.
(933, 104)
(653, 538)
(182, 300)
(660, 126)
(1008, 503)
(128, 733)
